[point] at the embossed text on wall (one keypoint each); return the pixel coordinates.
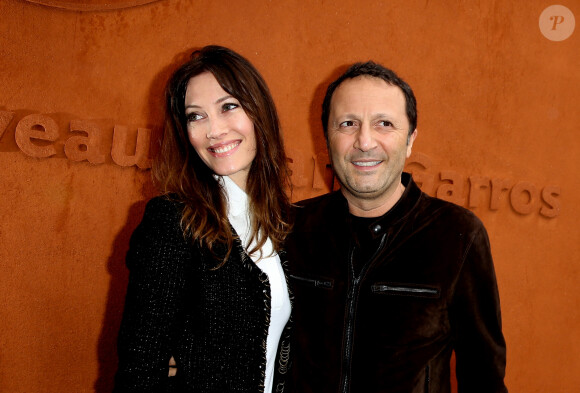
(36, 135)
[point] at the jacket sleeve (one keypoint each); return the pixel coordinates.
(476, 321)
(156, 260)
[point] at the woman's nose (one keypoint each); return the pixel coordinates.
(216, 129)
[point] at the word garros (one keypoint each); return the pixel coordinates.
(524, 197)
(473, 192)
(35, 136)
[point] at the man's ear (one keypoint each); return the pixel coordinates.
(410, 140)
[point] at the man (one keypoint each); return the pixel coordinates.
(388, 281)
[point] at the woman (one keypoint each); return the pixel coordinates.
(206, 287)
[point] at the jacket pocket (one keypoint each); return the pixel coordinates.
(395, 289)
(313, 282)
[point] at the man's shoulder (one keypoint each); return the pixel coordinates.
(333, 200)
(320, 209)
(316, 201)
(448, 212)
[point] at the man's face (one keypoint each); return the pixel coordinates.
(368, 137)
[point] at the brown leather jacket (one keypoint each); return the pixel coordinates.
(428, 289)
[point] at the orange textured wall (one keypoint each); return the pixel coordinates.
(498, 132)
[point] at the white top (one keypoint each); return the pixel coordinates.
(269, 263)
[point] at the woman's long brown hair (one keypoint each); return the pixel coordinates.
(181, 174)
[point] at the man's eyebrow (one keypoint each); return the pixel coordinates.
(383, 114)
(347, 116)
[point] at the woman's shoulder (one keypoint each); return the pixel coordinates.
(162, 217)
(159, 233)
(163, 206)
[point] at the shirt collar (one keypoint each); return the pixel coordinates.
(237, 198)
(399, 212)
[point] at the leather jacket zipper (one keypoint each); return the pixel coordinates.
(351, 306)
(317, 283)
(404, 290)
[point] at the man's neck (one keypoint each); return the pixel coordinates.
(373, 207)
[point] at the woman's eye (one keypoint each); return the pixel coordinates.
(229, 106)
(193, 117)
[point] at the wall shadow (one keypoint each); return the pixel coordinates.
(107, 343)
(316, 131)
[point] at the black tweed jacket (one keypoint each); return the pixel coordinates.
(214, 322)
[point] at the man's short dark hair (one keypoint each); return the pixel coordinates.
(375, 70)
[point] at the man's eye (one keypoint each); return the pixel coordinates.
(192, 117)
(229, 106)
(348, 123)
(385, 123)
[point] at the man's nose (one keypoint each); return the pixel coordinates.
(365, 140)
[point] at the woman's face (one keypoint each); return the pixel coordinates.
(219, 129)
